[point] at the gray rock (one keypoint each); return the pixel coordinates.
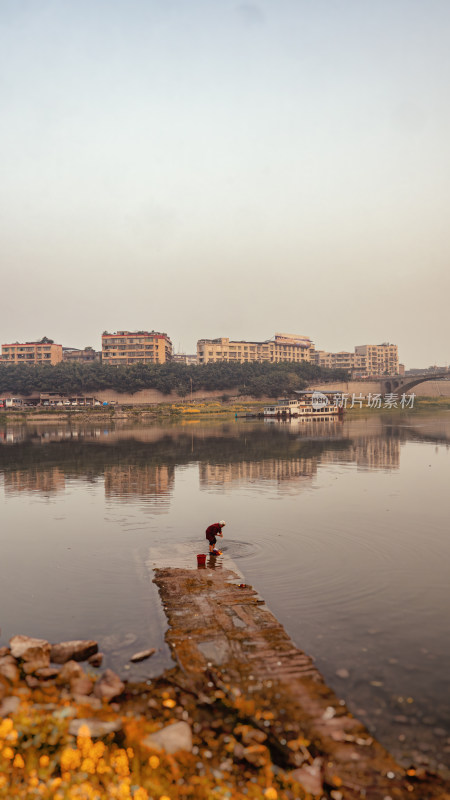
(97, 727)
(29, 649)
(9, 705)
(171, 739)
(47, 673)
(342, 673)
(78, 650)
(69, 671)
(32, 682)
(96, 660)
(143, 655)
(81, 685)
(108, 686)
(9, 669)
(40, 662)
(238, 751)
(87, 700)
(309, 777)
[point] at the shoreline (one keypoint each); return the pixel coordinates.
(244, 713)
(184, 412)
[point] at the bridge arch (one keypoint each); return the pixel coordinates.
(403, 385)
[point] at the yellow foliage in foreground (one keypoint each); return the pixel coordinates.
(39, 759)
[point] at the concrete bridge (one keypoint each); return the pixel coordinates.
(402, 384)
(383, 384)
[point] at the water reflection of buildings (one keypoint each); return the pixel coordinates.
(271, 469)
(367, 453)
(37, 435)
(123, 482)
(51, 479)
(139, 463)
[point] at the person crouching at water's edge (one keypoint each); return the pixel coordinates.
(211, 532)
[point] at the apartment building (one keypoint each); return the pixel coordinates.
(368, 359)
(138, 347)
(75, 354)
(34, 353)
(282, 347)
(380, 359)
(185, 358)
(341, 360)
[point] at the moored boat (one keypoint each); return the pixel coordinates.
(311, 405)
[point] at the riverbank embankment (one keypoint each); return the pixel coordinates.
(183, 411)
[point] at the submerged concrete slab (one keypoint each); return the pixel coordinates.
(222, 634)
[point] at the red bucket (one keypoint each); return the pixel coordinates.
(201, 560)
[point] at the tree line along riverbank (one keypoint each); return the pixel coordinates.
(255, 379)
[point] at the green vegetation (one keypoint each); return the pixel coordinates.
(424, 403)
(255, 379)
(420, 404)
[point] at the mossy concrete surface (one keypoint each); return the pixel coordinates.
(222, 635)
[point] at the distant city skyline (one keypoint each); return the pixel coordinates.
(227, 169)
(319, 351)
(121, 348)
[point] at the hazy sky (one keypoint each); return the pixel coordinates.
(223, 168)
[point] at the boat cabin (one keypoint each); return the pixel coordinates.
(283, 408)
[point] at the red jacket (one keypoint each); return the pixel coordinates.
(213, 529)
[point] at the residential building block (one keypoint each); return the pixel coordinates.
(185, 358)
(368, 359)
(75, 354)
(138, 347)
(34, 353)
(380, 359)
(282, 347)
(341, 360)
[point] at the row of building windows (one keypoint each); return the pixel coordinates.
(137, 356)
(137, 347)
(28, 357)
(23, 349)
(127, 341)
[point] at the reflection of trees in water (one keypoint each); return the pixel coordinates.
(91, 459)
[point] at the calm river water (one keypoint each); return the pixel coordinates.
(343, 528)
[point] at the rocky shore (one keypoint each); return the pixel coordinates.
(243, 714)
